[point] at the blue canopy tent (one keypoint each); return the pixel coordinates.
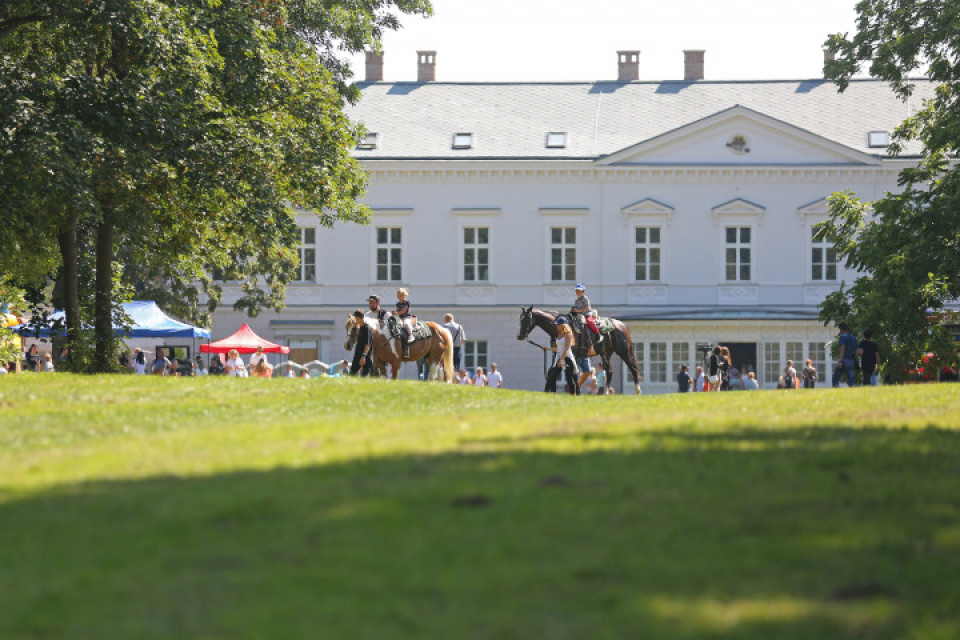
(147, 321)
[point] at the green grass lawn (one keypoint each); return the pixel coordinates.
(224, 508)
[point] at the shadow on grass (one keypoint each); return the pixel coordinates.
(831, 533)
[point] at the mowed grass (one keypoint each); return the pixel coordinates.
(222, 508)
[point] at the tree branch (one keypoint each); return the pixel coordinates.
(10, 24)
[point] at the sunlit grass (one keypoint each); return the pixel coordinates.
(208, 508)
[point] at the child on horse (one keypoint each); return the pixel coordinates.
(581, 306)
(403, 312)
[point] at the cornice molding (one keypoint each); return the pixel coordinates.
(447, 173)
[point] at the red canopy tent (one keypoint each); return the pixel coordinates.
(244, 341)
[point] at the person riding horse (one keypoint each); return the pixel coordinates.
(581, 308)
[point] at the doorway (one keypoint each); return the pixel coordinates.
(742, 354)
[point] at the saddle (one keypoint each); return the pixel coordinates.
(420, 330)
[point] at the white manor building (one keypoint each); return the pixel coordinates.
(686, 207)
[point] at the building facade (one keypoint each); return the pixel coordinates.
(686, 207)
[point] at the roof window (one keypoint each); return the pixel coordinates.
(370, 141)
(463, 141)
(877, 139)
(556, 140)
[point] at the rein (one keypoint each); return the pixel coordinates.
(546, 368)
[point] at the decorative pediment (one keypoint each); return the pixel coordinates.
(814, 211)
(646, 209)
(739, 210)
(739, 136)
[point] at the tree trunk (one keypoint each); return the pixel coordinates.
(103, 301)
(71, 290)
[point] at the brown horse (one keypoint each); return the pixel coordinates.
(437, 349)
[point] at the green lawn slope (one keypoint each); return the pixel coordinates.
(211, 508)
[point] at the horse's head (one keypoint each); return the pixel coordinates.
(527, 323)
(351, 327)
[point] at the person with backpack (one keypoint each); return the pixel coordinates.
(790, 380)
(809, 375)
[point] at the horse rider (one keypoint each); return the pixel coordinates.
(564, 359)
(362, 358)
(581, 307)
(403, 312)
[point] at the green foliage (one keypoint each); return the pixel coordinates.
(905, 245)
(189, 128)
(156, 508)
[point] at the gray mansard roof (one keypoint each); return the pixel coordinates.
(511, 120)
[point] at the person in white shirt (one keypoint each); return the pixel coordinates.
(479, 380)
(199, 369)
(255, 358)
(464, 378)
(494, 378)
(233, 367)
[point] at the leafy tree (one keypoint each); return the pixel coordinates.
(172, 137)
(905, 245)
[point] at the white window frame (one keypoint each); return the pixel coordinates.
(302, 250)
(390, 245)
(476, 246)
(738, 213)
(825, 246)
(660, 367)
(556, 140)
(473, 353)
(463, 140)
(647, 246)
(564, 247)
(773, 362)
(738, 245)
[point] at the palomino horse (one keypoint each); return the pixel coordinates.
(617, 341)
(437, 349)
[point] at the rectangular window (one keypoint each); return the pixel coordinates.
(476, 254)
(681, 355)
(771, 362)
(563, 254)
(556, 140)
(738, 256)
(823, 260)
(817, 352)
(795, 353)
(308, 255)
(474, 355)
(647, 253)
(658, 362)
(389, 254)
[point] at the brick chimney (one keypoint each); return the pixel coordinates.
(374, 67)
(693, 64)
(628, 66)
(426, 66)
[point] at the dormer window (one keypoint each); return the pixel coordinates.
(878, 139)
(370, 141)
(463, 141)
(556, 140)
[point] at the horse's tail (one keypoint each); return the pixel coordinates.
(448, 371)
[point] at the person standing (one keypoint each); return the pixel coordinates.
(139, 363)
(846, 360)
(699, 379)
(565, 361)
(601, 379)
(362, 353)
(375, 312)
(790, 380)
(160, 364)
(494, 378)
(713, 369)
(479, 380)
(683, 379)
(459, 338)
(32, 358)
(869, 357)
(809, 375)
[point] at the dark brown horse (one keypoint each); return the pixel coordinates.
(616, 341)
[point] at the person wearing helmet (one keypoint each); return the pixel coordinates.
(582, 307)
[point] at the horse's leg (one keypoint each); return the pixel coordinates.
(630, 358)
